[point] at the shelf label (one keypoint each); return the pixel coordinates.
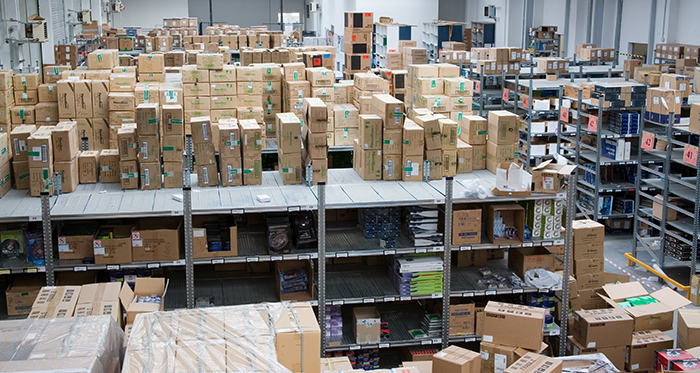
(404, 297)
(31, 270)
(237, 211)
(389, 252)
(504, 246)
(35, 218)
(421, 250)
(690, 154)
(527, 244)
(217, 261)
(293, 208)
(648, 140)
(113, 267)
(437, 340)
(80, 269)
(354, 347)
(470, 339)
(425, 342)
(490, 292)
(337, 302)
(252, 259)
(439, 201)
(467, 295)
(153, 265)
(389, 299)
(593, 124)
(368, 300)
(465, 248)
(180, 262)
(564, 115)
(383, 345)
(341, 255)
(176, 212)
(275, 258)
(517, 291)
(547, 243)
(304, 257)
(436, 295)
(559, 242)
(5, 271)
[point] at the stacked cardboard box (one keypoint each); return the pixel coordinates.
(593, 54)
(272, 103)
(397, 82)
(296, 88)
(128, 146)
(204, 154)
(412, 151)
(122, 102)
(346, 124)
(252, 138)
(607, 331)
(459, 92)
(6, 156)
(315, 146)
(502, 144)
(26, 97)
(588, 262)
(390, 112)
(20, 154)
(677, 82)
(367, 85)
(40, 156)
(472, 132)
(661, 102)
(440, 144)
(250, 93)
(553, 66)
(230, 161)
(46, 111)
(322, 82)
(289, 148)
(498, 60)
(414, 56)
(172, 131)
(7, 100)
(148, 135)
(66, 147)
(358, 42)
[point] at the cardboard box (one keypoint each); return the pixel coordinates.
(69, 174)
(252, 170)
(288, 133)
(172, 174)
(513, 215)
(22, 293)
(121, 83)
(20, 170)
(150, 175)
(367, 325)
(292, 349)
(456, 359)
(532, 362)
(156, 239)
(83, 98)
(339, 363)
(66, 98)
(413, 139)
(76, 246)
(466, 226)
(200, 245)
(524, 259)
(640, 354)
(88, 164)
(55, 302)
(116, 250)
(100, 299)
(688, 334)
(129, 174)
(208, 174)
(290, 168)
(616, 354)
(18, 140)
(345, 116)
(549, 178)
(412, 168)
(367, 162)
(100, 99)
(603, 328)
(500, 319)
(109, 166)
(650, 316)
(143, 287)
(65, 141)
(462, 321)
(46, 112)
(370, 133)
(587, 232)
(503, 127)
(496, 358)
(433, 135)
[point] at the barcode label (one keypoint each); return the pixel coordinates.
(205, 132)
(205, 175)
(232, 141)
(147, 172)
(390, 168)
(44, 154)
(144, 150)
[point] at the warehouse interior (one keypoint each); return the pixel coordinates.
(312, 186)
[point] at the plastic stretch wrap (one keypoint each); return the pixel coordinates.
(67, 345)
(224, 339)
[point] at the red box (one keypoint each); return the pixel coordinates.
(683, 365)
(666, 358)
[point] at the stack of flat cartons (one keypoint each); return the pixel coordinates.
(251, 138)
(127, 144)
(203, 144)
(192, 106)
(417, 75)
(403, 46)
(315, 146)
(346, 123)
(397, 82)
(366, 86)
(46, 111)
(5, 160)
(7, 100)
(606, 331)
(472, 133)
(502, 144)
(172, 131)
(588, 262)
(20, 154)
(40, 155)
(26, 96)
(249, 89)
(358, 42)
(289, 148)
(230, 161)
(296, 88)
(149, 145)
(322, 83)
(271, 97)
(390, 110)
(65, 154)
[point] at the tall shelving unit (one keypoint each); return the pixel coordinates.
(436, 32)
(386, 39)
(337, 284)
(676, 182)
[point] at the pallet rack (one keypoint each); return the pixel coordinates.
(336, 284)
(675, 159)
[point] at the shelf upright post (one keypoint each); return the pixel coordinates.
(577, 149)
(599, 143)
(447, 263)
(48, 237)
(189, 250)
(696, 224)
(560, 126)
(638, 178)
(481, 92)
(529, 116)
(187, 169)
(322, 263)
(568, 247)
(517, 89)
(503, 86)
(667, 169)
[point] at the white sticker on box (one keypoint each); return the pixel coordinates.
(487, 338)
(484, 355)
(198, 232)
(635, 366)
(500, 363)
(136, 240)
(547, 183)
(98, 248)
(441, 354)
(591, 345)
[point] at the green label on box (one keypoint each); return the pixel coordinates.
(459, 130)
(405, 142)
(168, 148)
(408, 169)
(153, 121)
(23, 176)
(34, 154)
(484, 132)
(175, 121)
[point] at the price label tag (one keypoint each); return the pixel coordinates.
(368, 300)
(564, 116)
(517, 291)
(304, 257)
(425, 342)
(31, 270)
(547, 243)
(648, 140)
(389, 252)
(153, 265)
(467, 295)
(504, 246)
(437, 340)
(490, 292)
(80, 269)
(337, 302)
(35, 218)
(383, 345)
(180, 262)
(237, 211)
(527, 244)
(421, 250)
(505, 94)
(355, 347)
(252, 259)
(5, 271)
(470, 339)
(465, 248)
(113, 267)
(436, 295)
(217, 261)
(690, 154)
(405, 297)
(593, 124)
(389, 299)
(275, 258)
(341, 255)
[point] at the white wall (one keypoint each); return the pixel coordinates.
(150, 13)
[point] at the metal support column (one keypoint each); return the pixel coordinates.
(560, 126)
(696, 223)
(568, 247)
(638, 179)
(652, 31)
(567, 15)
(599, 147)
(666, 194)
(481, 92)
(618, 28)
(503, 86)
(589, 21)
(529, 114)
(48, 237)
(189, 255)
(447, 263)
(321, 229)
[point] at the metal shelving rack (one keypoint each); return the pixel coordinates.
(386, 39)
(335, 286)
(674, 161)
(435, 32)
(581, 152)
